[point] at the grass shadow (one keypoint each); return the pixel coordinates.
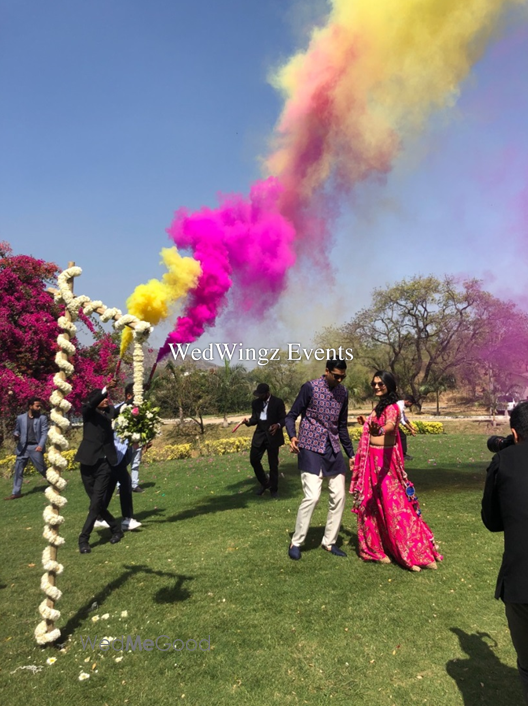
(36, 490)
(482, 678)
(466, 477)
(148, 484)
(243, 493)
(104, 535)
(218, 503)
(175, 594)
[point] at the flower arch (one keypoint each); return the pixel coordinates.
(46, 632)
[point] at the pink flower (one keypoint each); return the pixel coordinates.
(135, 411)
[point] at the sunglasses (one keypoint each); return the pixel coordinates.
(337, 377)
(377, 384)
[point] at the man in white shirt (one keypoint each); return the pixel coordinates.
(268, 416)
(407, 402)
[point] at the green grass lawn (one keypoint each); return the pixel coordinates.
(211, 560)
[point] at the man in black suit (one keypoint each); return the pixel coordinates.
(505, 509)
(268, 415)
(97, 454)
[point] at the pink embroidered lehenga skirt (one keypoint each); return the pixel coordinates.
(389, 518)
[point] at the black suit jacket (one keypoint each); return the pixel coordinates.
(98, 435)
(276, 414)
(505, 509)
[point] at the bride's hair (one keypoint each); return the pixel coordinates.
(390, 397)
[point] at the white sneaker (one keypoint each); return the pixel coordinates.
(130, 524)
(100, 524)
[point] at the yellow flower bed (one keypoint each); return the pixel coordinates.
(221, 447)
(7, 464)
(421, 428)
(428, 427)
(170, 452)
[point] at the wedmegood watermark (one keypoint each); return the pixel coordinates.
(163, 643)
(261, 356)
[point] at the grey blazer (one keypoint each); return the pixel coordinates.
(40, 425)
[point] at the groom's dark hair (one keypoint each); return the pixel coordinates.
(336, 364)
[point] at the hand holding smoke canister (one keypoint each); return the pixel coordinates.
(498, 443)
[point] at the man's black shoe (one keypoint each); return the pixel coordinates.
(117, 537)
(137, 489)
(84, 548)
(333, 549)
(262, 490)
(294, 552)
(274, 495)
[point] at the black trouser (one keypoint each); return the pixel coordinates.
(121, 475)
(403, 439)
(255, 458)
(517, 615)
(95, 480)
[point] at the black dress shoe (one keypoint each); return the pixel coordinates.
(137, 489)
(274, 495)
(116, 537)
(262, 490)
(84, 548)
(333, 549)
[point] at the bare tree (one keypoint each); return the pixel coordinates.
(422, 330)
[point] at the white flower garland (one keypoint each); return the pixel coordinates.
(46, 632)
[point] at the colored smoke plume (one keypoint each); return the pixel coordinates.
(244, 242)
(369, 79)
(152, 301)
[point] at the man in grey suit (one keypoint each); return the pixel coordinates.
(31, 431)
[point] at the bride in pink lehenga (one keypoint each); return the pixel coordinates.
(390, 525)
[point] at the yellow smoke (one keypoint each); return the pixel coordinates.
(369, 78)
(152, 301)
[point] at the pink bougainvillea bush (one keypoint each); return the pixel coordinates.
(28, 340)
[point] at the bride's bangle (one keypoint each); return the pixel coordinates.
(381, 431)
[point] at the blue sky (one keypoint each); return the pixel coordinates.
(117, 112)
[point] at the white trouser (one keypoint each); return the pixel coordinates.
(311, 485)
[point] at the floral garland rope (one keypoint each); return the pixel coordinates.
(46, 632)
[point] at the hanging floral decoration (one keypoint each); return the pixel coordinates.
(46, 632)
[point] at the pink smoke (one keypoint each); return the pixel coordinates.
(243, 241)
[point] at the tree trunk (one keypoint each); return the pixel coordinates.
(437, 403)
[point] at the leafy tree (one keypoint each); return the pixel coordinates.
(232, 389)
(283, 376)
(185, 392)
(499, 361)
(438, 385)
(28, 334)
(426, 330)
